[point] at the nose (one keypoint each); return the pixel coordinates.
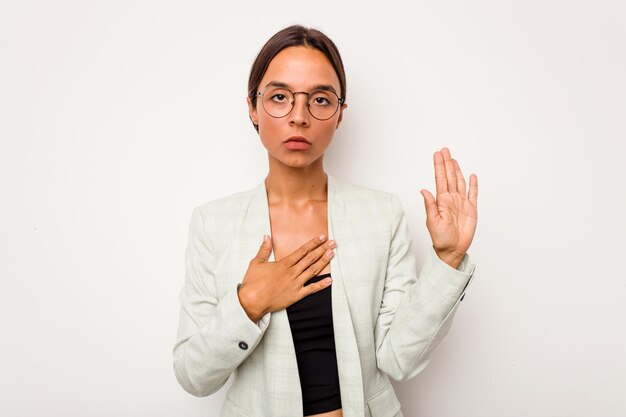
(300, 113)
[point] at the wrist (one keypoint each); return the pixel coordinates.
(249, 302)
(453, 259)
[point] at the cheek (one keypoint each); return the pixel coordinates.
(269, 126)
(327, 129)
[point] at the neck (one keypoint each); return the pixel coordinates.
(296, 187)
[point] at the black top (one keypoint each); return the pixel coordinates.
(311, 321)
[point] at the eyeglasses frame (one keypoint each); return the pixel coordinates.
(340, 101)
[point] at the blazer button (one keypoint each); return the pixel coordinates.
(243, 345)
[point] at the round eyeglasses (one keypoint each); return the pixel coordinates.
(279, 101)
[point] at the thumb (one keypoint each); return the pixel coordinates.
(430, 204)
(264, 251)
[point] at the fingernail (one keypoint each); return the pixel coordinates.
(332, 243)
(328, 280)
(322, 238)
(265, 238)
(329, 253)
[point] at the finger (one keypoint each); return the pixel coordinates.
(460, 179)
(315, 287)
(264, 251)
(473, 189)
(316, 267)
(307, 265)
(430, 204)
(440, 174)
(304, 250)
(450, 174)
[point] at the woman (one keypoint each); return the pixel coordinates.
(315, 320)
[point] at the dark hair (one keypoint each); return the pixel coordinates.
(295, 35)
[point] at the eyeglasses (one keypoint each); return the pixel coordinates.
(279, 101)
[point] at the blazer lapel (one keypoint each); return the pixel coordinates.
(279, 330)
(348, 361)
(284, 380)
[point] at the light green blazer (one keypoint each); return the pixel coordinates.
(387, 320)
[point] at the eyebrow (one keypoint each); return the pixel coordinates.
(315, 87)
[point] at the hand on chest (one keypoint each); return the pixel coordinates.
(292, 227)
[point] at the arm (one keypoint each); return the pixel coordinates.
(214, 335)
(415, 313)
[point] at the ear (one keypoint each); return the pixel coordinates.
(252, 112)
(343, 107)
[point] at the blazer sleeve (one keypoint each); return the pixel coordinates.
(416, 312)
(214, 335)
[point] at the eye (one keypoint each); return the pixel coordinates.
(278, 97)
(321, 101)
(323, 98)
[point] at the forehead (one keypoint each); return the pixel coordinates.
(301, 68)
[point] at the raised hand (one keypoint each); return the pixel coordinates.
(272, 286)
(451, 218)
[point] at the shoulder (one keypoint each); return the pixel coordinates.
(224, 208)
(350, 189)
(352, 193)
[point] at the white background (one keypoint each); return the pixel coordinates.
(118, 117)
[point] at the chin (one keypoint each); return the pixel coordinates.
(296, 161)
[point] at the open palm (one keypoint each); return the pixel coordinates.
(451, 217)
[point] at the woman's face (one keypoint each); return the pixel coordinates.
(299, 68)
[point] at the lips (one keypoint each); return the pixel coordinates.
(297, 143)
(297, 139)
